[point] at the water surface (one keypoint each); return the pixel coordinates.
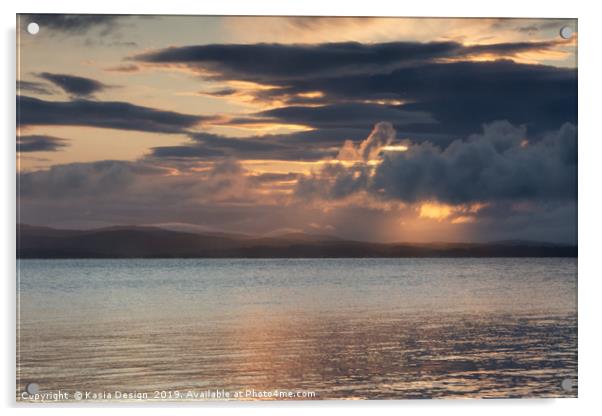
(340, 328)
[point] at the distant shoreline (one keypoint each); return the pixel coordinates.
(157, 243)
(298, 258)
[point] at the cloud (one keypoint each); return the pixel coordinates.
(140, 192)
(40, 143)
(344, 115)
(100, 42)
(509, 49)
(355, 82)
(35, 87)
(392, 123)
(269, 62)
(381, 136)
(312, 23)
(541, 24)
(136, 182)
(78, 180)
(77, 24)
(102, 114)
(74, 85)
(278, 61)
(205, 146)
(501, 164)
(128, 68)
(494, 185)
(223, 195)
(461, 96)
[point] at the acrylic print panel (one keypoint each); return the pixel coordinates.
(296, 208)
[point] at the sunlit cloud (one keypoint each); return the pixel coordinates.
(457, 214)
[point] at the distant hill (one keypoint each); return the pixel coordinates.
(153, 242)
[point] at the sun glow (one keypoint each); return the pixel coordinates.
(456, 214)
(395, 148)
(435, 211)
(311, 94)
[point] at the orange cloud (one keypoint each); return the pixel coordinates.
(458, 214)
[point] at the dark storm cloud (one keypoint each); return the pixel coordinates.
(279, 61)
(108, 114)
(294, 146)
(461, 96)
(343, 115)
(35, 87)
(39, 143)
(497, 165)
(74, 85)
(74, 23)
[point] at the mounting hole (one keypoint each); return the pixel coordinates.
(567, 384)
(32, 388)
(566, 32)
(33, 28)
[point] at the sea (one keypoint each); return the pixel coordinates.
(296, 329)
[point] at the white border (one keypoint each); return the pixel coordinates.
(590, 152)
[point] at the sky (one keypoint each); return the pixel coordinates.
(373, 129)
